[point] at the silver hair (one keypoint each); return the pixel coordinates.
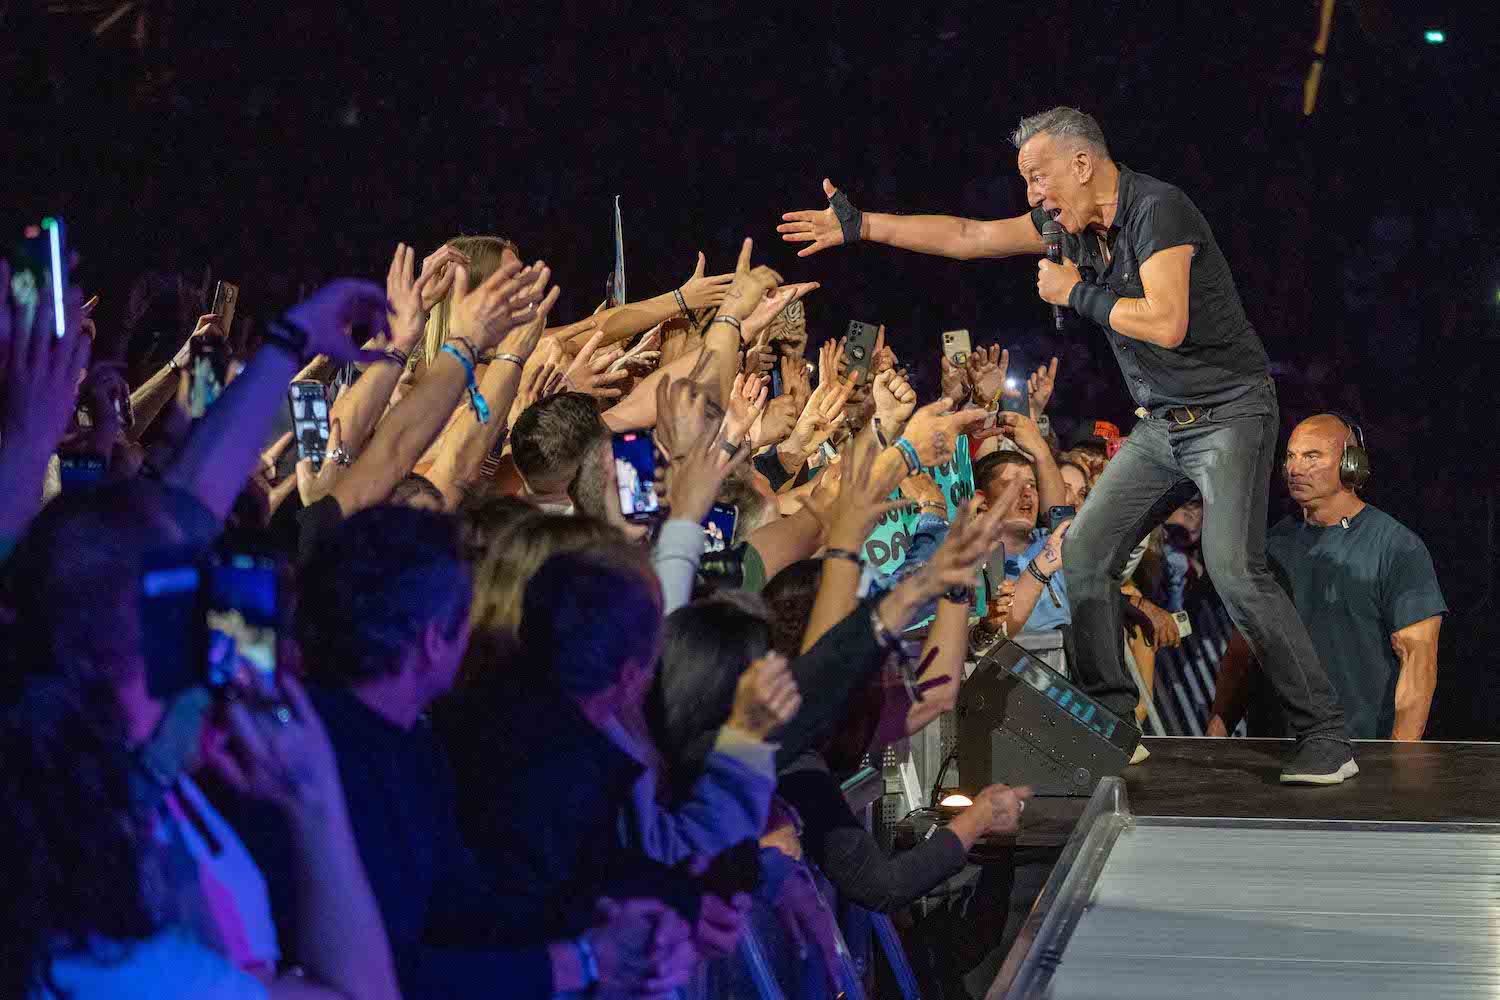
(1063, 124)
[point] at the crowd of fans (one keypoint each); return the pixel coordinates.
(517, 743)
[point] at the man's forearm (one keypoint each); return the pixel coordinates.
(1414, 688)
(723, 343)
(1050, 490)
(222, 451)
(403, 436)
(342, 940)
(787, 540)
(361, 406)
(151, 398)
(464, 450)
(618, 322)
(639, 408)
(1028, 591)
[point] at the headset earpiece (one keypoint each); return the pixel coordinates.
(1354, 463)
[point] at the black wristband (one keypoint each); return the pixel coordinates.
(844, 554)
(960, 595)
(850, 218)
(1093, 301)
(1045, 578)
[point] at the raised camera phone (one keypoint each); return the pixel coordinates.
(39, 267)
(719, 527)
(957, 347)
(635, 475)
(211, 620)
(1184, 623)
(242, 621)
(209, 367)
(1057, 515)
(859, 348)
(1016, 397)
(309, 419)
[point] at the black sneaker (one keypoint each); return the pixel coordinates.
(1320, 760)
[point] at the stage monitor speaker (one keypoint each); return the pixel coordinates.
(1022, 723)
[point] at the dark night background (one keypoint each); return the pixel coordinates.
(287, 146)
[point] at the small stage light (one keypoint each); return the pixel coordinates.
(956, 801)
(1435, 37)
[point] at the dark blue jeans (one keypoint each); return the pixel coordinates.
(1226, 455)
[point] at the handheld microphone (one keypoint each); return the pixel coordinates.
(1052, 236)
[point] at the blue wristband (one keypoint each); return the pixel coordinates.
(909, 455)
(481, 408)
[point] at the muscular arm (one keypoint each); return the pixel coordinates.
(1417, 646)
(463, 449)
(950, 236)
(1161, 317)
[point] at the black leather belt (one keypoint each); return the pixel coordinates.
(1184, 415)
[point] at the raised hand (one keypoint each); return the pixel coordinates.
(776, 423)
(329, 313)
(820, 418)
(996, 810)
(643, 948)
(523, 338)
(895, 400)
(935, 428)
(830, 361)
(955, 381)
(43, 372)
(692, 477)
(282, 756)
(541, 377)
(1039, 388)
(862, 501)
(747, 401)
(313, 484)
(210, 325)
(486, 314)
(970, 540)
(988, 369)
(795, 381)
(774, 304)
(760, 358)
(590, 373)
(702, 292)
(642, 359)
(441, 266)
(749, 287)
(406, 298)
(819, 227)
(766, 697)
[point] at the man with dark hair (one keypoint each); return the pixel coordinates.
(1364, 585)
(1141, 263)
(419, 492)
(550, 443)
(383, 617)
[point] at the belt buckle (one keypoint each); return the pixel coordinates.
(1192, 416)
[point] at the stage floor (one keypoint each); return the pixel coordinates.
(1240, 778)
(1204, 876)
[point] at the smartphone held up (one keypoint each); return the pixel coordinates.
(635, 475)
(38, 270)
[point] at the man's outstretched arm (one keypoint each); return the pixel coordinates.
(939, 235)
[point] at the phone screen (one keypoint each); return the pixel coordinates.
(241, 603)
(635, 474)
(719, 527)
(309, 420)
(209, 371)
(1017, 395)
(38, 267)
(81, 472)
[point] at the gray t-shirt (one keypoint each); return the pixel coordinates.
(1353, 587)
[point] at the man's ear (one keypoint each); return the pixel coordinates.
(1083, 166)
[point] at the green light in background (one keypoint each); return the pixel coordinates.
(1435, 37)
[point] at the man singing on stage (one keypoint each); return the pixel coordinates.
(1141, 262)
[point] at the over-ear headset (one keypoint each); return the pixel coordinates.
(1354, 463)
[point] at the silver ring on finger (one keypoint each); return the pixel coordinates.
(341, 456)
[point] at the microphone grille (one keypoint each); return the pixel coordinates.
(1052, 233)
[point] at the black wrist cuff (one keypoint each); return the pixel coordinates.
(1093, 301)
(1045, 578)
(960, 595)
(850, 218)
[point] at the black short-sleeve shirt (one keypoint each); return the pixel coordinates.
(1222, 356)
(1353, 587)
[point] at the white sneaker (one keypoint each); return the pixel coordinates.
(1140, 754)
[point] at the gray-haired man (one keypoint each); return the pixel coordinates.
(1142, 263)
